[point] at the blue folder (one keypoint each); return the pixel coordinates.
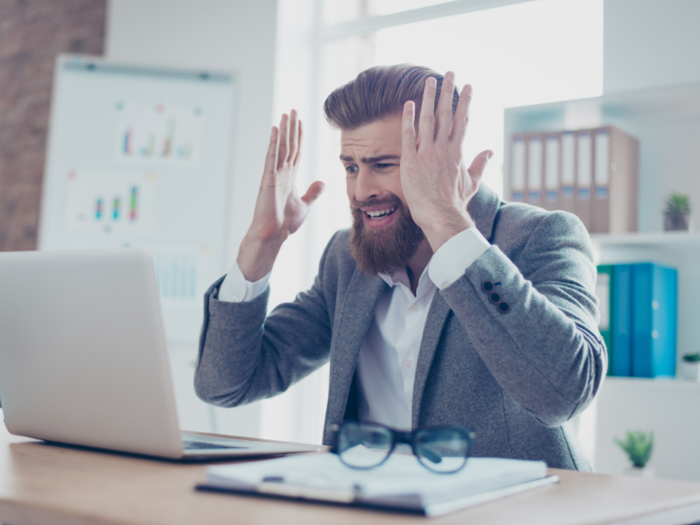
(622, 320)
(654, 312)
(606, 298)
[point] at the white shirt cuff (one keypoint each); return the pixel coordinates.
(236, 289)
(455, 256)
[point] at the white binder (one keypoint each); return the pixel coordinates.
(568, 171)
(551, 170)
(584, 176)
(517, 169)
(615, 199)
(534, 169)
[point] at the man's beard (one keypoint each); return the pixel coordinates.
(388, 249)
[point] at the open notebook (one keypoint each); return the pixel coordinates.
(400, 484)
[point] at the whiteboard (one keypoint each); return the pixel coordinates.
(140, 156)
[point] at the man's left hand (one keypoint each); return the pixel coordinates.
(436, 183)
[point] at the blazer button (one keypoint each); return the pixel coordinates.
(503, 307)
(487, 286)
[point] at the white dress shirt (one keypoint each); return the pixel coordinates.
(386, 366)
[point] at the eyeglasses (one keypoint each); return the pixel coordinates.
(443, 450)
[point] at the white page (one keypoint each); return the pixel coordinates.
(401, 474)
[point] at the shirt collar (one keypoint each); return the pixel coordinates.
(400, 278)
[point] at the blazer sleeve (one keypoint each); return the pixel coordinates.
(546, 351)
(245, 355)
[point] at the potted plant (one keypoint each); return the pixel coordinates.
(638, 447)
(677, 212)
(691, 367)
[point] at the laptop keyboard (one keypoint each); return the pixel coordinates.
(201, 445)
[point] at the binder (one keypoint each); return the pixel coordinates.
(622, 320)
(584, 176)
(517, 169)
(568, 172)
(654, 313)
(605, 292)
(615, 201)
(535, 154)
(552, 167)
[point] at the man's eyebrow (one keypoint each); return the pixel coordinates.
(371, 160)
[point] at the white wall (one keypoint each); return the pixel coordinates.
(231, 35)
(650, 43)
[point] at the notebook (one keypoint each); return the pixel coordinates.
(400, 484)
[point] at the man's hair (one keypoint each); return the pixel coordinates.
(380, 92)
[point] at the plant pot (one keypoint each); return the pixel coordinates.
(676, 222)
(646, 472)
(690, 371)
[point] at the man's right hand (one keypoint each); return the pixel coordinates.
(279, 211)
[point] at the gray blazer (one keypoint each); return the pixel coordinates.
(518, 378)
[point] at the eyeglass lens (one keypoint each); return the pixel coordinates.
(442, 450)
(363, 445)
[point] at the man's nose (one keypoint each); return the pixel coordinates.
(366, 185)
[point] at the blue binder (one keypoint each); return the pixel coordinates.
(622, 320)
(654, 311)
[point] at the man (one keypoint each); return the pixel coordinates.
(441, 306)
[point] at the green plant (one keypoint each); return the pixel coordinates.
(638, 446)
(678, 203)
(691, 358)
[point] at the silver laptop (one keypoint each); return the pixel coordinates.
(83, 357)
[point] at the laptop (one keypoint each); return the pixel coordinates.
(84, 361)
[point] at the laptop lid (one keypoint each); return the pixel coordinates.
(83, 356)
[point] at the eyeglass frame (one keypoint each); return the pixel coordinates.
(405, 437)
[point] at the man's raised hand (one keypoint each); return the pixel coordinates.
(436, 183)
(279, 210)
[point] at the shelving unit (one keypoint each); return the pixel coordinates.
(667, 123)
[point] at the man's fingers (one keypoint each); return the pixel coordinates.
(284, 141)
(476, 170)
(293, 136)
(426, 124)
(408, 131)
(272, 149)
(459, 126)
(295, 160)
(313, 192)
(443, 118)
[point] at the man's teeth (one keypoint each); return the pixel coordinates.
(380, 214)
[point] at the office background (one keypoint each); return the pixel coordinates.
(291, 53)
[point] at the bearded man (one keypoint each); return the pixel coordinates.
(441, 306)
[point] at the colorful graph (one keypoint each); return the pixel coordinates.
(158, 134)
(109, 201)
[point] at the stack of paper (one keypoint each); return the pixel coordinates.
(401, 483)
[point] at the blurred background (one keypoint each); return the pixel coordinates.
(284, 54)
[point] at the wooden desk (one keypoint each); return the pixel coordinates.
(43, 484)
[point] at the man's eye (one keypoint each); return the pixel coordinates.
(351, 169)
(383, 166)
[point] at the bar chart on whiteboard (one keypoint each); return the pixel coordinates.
(158, 134)
(110, 203)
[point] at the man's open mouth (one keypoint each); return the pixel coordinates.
(381, 214)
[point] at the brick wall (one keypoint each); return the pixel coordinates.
(32, 33)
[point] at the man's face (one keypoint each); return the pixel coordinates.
(384, 236)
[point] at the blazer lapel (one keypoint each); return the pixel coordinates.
(350, 326)
(483, 208)
(437, 315)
